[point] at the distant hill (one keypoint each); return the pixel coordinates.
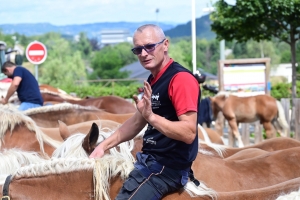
(203, 29)
(92, 30)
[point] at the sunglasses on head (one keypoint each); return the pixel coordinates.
(148, 48)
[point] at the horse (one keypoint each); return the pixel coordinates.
(20, 131)
(111, 103)
(247, 173)
(82, 127)
(102, 178)
(78, 178)
(48, 88)
(249, 109)
(12, 159)
(209, 169)
(270, 145)
(48, 116)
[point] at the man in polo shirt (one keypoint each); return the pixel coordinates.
(169, 109)
(25, 84)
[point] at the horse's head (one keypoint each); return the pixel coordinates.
(90, 140)
(81, 145)
(217, 103)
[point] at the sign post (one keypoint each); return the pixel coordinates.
(36, 53)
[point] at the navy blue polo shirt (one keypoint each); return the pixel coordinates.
(28, 90)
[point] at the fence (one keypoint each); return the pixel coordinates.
(256, 128)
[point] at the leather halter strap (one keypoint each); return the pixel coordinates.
(5, 190)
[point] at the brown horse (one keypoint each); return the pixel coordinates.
(264, 108)
(272, 168)
(48, 116)
(20, 131)
(249, 183)
(82, 127)
(213, 170)
(112, 104)
(79, 179)
(270, 145)
(48, 88)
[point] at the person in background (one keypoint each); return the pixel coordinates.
(169, 109)
(25, 84)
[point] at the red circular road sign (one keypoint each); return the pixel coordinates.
(36, 52)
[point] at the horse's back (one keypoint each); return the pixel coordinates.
(251, 108)
(112, 104)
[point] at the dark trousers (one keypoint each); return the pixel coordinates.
(150, 181)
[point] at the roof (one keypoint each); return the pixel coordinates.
(136, 70)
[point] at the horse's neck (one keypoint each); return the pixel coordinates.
(21, 138)
(80, 182)
(220, 102)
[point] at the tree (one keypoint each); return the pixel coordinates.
(260, 20)
(84, 45)
(62, 66)
(109, 60)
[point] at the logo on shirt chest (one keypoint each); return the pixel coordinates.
(155, 101)
(150, 141)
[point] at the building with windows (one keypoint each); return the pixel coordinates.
(112, 37)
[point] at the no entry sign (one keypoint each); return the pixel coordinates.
(36, 52)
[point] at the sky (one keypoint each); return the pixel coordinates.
(68, 12)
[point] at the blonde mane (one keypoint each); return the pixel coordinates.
(57, 107)
(65, 96)
(103, 169)
(54, 166)
(10, 118)
(218, 148)
(72, 146)
(13, 159)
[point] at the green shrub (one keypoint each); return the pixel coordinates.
(96, 90)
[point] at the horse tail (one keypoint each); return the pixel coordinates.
(282, 120)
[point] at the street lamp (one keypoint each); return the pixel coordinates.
(157, 11)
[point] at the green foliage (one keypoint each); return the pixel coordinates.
(97, 90)
(285, 56)
(7, 39)
(253, 49)
(281, 90)
(83, 45)
(107, 63)
(109, 60)
(181, 52)
(62, 66)
(207, 53)
(259, 20)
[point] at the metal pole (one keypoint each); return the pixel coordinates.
(37, 72)
(222, 50)
(194, 37)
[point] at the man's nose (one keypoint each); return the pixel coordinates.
(144, 52)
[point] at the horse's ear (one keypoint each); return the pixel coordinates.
(63, 130)
(90, 140)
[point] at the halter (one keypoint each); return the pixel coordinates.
(5, 190)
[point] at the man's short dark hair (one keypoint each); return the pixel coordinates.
(7, 64)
